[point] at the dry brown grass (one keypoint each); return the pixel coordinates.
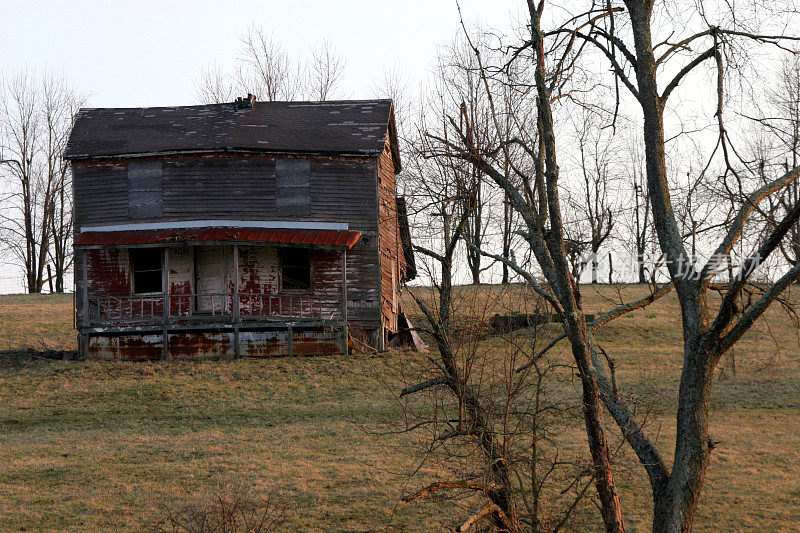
(106, 445)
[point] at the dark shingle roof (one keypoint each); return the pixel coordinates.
(356, 127)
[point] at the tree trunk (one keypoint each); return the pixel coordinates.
(476, 273)
(592, 416)
(675, 503)
(59, 280)
(642, 269)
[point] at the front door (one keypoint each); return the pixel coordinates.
(210, 279)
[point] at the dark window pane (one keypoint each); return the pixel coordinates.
(146, 259)
(295, 268)
(296, 278)
(147, 281)
(146, 265)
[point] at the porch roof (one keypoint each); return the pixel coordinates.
(298, 237)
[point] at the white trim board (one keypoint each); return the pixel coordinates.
(188, 224)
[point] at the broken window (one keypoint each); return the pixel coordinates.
(144, 189)
(295, 269)
(146, 266)
(293, 183)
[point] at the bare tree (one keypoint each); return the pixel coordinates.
(777, 149)
(464, 96)
(641, 223)
(536, 201)
(631, 51)
(652, 70)
(324, 72)
(265, 68)
(60, 104)
(394, 84)
(488, 423)
(36, 222)
(214, 86)
(25, 220)
(594, 210)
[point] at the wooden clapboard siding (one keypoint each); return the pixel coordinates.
(100, 192)
(230, 187)
(222, 188)
(389, 237)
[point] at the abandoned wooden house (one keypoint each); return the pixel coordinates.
(238, 229)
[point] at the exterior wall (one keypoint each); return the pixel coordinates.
(108, 272)
(391, 258)
(243, 187)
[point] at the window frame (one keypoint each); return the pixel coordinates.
(283, 289)
(131, 253)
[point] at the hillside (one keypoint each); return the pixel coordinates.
(113, 445)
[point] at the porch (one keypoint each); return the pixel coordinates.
(200, 296)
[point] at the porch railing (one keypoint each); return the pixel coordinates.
(184, 306)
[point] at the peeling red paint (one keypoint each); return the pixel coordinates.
(108, 272)
(200, 345)
(126, 347)
(315, 343)
(307, 237)
(263, 344)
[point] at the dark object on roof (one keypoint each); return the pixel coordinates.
(318, 238)
(405, 238)
(244, 103)
(349, 127)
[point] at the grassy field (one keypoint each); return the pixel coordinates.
(113, 445)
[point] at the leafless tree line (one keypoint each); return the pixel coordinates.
(36, 116)
(607, 212)
(267, 70)
(693, 204)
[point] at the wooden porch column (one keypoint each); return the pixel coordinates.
(85, 274)
(345, 333)
(165, 284)
(166, 304)
(236, 348)
(83, 338)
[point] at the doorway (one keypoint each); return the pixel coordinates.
(210, 275)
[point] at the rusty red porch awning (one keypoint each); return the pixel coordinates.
(298, 237)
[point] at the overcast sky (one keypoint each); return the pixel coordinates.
(150, 53)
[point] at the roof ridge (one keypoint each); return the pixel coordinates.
(262, 102)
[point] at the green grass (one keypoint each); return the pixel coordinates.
(108, 445)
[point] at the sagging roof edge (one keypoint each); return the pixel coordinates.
(394, 143)
(134, 155)
(179, 237)
(405, 238)
(220, 223)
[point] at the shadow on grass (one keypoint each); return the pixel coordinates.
(27, 354)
